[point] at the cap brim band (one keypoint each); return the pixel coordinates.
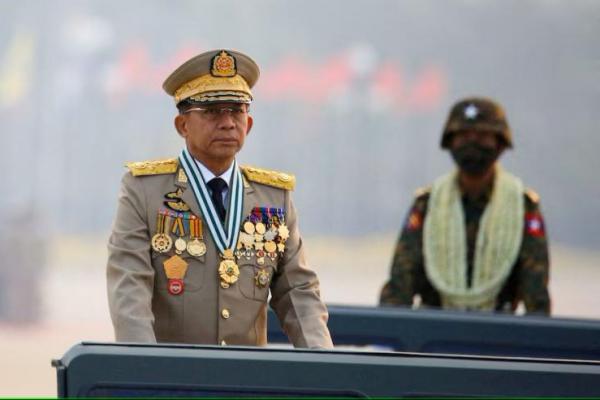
(220, 97)
(210, 86)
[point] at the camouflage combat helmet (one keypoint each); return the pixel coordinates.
(479, 114)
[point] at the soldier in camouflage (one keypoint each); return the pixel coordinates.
(475, 239)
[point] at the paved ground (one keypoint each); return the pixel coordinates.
(351, 271)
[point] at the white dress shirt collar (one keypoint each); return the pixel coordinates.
(208, 175)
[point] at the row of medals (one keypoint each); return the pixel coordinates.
(162, 243)
(256, 239)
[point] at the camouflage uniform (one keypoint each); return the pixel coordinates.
(528, 280)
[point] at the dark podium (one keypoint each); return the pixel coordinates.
(130, 370)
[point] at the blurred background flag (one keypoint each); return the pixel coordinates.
(17, 68)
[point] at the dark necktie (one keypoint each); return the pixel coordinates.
(217, 185)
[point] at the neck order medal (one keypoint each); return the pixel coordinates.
(225, 240)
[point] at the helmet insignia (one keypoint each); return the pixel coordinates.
(471, 111)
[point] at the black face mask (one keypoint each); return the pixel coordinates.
(475, 159)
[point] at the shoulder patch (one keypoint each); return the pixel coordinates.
(276, 179)
(422, 191)
(153, 167)
(532, 195)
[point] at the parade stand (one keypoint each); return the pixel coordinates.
(134, 370)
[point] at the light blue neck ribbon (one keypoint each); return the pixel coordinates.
(223, 240)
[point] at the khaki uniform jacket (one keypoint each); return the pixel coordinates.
(142, 310)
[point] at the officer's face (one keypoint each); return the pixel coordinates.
(215, 133)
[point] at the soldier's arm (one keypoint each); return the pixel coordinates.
(130, 276)
(295, 294)
(534, 264)
(407, 260)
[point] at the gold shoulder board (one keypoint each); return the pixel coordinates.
(276, 179)
(153, 167)
(422, 191)
(533, 196)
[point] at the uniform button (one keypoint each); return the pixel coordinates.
(224, 285)
(223, 343)
(225, 313)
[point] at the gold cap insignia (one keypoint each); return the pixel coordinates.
(223, 65)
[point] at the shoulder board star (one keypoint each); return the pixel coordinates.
(422, 191)
(532, 195)
(276, 179)
(153, 167)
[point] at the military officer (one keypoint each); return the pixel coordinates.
(199, 241)
(474, 240)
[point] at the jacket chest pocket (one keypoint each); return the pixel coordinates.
(195, 274)
(255, 280)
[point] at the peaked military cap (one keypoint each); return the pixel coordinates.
(214, 76)
(477, 114)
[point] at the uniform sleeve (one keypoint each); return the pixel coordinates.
(533, 262)
(407, 261)
(295, 294)
(130, 276)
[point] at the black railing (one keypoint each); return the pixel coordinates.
(437, 331)
(108, 370)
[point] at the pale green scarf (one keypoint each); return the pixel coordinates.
(497, 244)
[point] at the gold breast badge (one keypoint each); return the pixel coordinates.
(174, 201)
(262, 278)
(229, 271)
(177, 205)
(175, 269)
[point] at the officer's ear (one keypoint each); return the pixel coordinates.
(249, 124)
(181, 125)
